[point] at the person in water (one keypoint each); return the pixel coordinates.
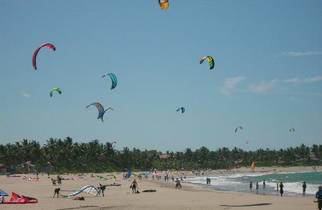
(304, 187)
(281, 189)
(277, 186)
(250, 185)
(257, 186)
(264, 184)
(208, 180)
(318, 196)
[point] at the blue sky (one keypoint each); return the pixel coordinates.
(267, 78)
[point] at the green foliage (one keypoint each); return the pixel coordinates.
(68, 156)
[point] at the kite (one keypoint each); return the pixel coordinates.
(239, 127)
(182, 109)
(113, 79)
(164, 4)
(89, 189)
(34, 56)
(100, 110)
(58, 90)
(210, 60)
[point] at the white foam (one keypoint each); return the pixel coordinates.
(230, 182)
(296, 187)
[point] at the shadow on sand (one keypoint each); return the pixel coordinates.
(92, 207)
(248, 205)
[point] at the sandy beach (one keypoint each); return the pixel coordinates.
(165, 197)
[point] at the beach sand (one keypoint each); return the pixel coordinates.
(166, 197)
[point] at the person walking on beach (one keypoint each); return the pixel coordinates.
(250, 185)
(281, 189)
(318, 196)
(56, 192)
(304, 188)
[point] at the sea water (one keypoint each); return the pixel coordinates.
(240, 182)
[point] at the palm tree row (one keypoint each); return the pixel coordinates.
(62, 156)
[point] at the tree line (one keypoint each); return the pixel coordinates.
(65, 155)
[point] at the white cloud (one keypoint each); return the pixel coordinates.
(296, 81)
(298, 54)
(263, 87)
(25, 94)
(282, 85)
(230, 84)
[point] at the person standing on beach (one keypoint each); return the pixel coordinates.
(318, 196)
(304, 188)
(134, 186)
(250, 185)
(178, 184)
(59, 180)
(281, 189)
(102, 188)
(2, 199)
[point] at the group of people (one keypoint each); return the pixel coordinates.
(135, 189)
(257, 186)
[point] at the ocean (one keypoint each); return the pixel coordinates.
(240, 182)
